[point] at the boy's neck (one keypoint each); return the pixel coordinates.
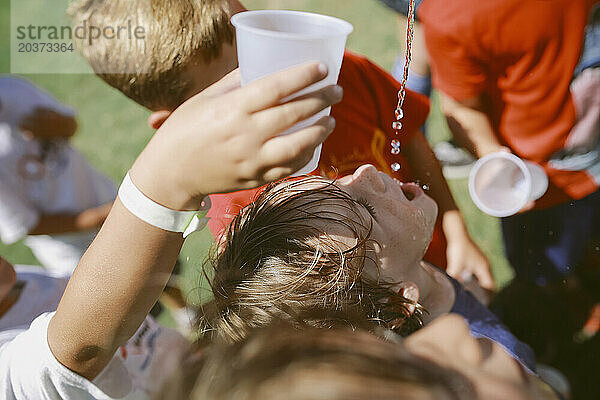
(436, 291)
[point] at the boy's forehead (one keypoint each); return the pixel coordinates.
(323, 197)
(336, 217)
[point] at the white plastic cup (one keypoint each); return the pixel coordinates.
(272, 40)
(501, 183)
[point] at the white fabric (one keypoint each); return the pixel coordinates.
(70, 184)
(28, 370)
(159, 216)
(41, 293)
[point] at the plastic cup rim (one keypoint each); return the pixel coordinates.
(237, 22)
(522, 166)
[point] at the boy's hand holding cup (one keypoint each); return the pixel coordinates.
(227, 137)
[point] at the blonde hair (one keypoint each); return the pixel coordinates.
(280, 362)
(177, 33)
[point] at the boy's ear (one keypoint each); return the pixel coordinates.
(157, 118)
(410, 291)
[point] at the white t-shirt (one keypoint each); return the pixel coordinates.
(41, 293)
(28, 370)
(68, 185)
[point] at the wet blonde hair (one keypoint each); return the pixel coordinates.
(278, 262)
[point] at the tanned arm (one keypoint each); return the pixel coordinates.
(470, 125)
(198, 150)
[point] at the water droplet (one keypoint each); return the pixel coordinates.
(414, 237)
(399, 114)
(425, 187)
(395, 143)
(395, 150)
(397, 125)
(396, 166)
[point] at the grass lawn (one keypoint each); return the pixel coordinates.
(113, 129)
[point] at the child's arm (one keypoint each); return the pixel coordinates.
(55, 224)
(213, 143)
(463, 255)
(470, 125)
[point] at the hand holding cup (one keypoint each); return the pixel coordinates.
(227, 137)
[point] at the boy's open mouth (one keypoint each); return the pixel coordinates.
(411, 190)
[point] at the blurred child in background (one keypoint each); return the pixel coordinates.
(49, 194)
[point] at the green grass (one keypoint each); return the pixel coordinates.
(113, 129)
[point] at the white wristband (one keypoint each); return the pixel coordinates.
(159, 216)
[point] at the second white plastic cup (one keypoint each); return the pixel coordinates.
(501, 183)
(272, 40)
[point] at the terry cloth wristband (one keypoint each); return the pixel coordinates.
(159, 216)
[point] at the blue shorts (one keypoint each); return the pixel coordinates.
(545, 246)
(590, 55)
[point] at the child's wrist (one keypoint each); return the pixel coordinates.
(158, 215)
(164, 189)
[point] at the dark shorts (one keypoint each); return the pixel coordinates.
(545, 246)
(400, 6)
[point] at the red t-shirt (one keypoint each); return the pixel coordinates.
(362, 136)
(520, 55)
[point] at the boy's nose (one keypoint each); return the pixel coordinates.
(369, 177)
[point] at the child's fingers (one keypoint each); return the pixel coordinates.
(229, 82)
(277, 119)
(280, 172)
(271, 90)
(291, 152)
